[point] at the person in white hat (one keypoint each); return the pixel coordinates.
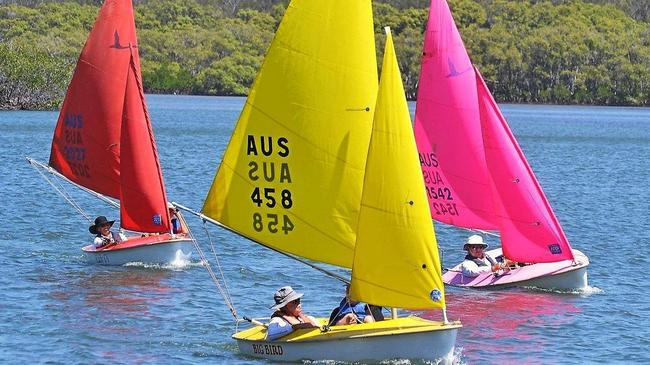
(288, 314)
(476, 260)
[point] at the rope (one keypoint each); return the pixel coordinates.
(37, 164)
(487, 233)
(219, 224)
(223, 289)
(216, 258)
(61, 190)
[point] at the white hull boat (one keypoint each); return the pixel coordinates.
(104, 144)
(564, 275)
(161, 249)
(403, 338)
(477, 176)
(317, 131)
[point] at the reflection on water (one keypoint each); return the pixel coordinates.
(100, 301)
(590, 161)
(508, 320)
(104, 305)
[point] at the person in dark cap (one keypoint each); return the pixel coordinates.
(288, 314)
(104, 237)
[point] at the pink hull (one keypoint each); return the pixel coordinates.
(563, 275)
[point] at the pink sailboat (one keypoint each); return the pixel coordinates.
(103, 143)
(477, 176)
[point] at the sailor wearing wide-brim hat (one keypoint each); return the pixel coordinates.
(284, 296)
(476, 260)
(104, 235)
(288, 314)
(475, 240)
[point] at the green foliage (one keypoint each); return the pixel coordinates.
(30, 78)
(541, 51)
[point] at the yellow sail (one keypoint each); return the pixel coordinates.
(292, 174)
(396, 261)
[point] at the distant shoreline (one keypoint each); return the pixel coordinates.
(564, 53)
(410, 101)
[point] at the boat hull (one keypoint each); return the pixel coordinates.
(402, 338)
(563, 275)
(160, 249)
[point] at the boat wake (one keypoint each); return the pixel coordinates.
(455, 360)
(180, 263)
(585, 291)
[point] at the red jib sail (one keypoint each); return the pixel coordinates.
(103, 138)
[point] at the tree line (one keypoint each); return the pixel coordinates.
(560, 51)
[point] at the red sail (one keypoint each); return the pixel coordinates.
(88, 147)
(143, 200)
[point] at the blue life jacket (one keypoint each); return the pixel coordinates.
(345, 307)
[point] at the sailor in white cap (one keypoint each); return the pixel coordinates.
(476, 260)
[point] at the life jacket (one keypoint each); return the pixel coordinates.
(279, 314)
(116, 238)
(480, 262)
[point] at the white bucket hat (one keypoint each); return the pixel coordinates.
(475, 240)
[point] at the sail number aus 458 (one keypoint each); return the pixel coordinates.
(270, 163)
(271, 222)
(271, 197)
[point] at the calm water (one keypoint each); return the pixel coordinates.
(591, 161)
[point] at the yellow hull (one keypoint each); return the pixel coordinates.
(401, 338)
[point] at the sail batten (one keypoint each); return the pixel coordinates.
(292, 172)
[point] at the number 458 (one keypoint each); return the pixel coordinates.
(272, 223)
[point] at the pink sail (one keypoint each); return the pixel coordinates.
(475, 174)
(447, 128)
(530, 232)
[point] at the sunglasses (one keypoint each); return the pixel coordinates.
(295, 301)
(476, 247)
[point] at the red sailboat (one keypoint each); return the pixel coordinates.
(103, 142)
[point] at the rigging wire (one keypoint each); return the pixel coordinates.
(105, 199)
(223, 288)
(219, 224)
(59, 188)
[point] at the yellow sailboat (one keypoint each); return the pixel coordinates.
(323, 165)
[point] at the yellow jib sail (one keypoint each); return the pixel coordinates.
(396, 261)
(292, 174)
